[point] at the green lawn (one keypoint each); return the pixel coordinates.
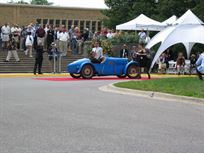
(191, 87)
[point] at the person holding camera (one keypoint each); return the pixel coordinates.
(143, 58)
(12, 49)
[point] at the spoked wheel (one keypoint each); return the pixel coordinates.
(87, 71)
(133, 71)
(76, 76)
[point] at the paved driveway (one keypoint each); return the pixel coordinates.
(75, 117)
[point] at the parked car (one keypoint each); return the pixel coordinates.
(120, 67)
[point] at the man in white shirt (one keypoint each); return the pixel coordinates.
(97, 53)
(63, 41)
(16, 31)
(109, 34)
(200, 66)
(6, 31)
(142, 37)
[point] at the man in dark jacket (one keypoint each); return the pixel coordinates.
(38, 46)
(50, 37)
(124, 53)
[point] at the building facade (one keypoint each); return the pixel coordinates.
(26, 14)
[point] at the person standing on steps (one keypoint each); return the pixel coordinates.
(29, 45)
(5, 32)
(12, 49)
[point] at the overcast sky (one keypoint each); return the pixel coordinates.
(73, 3)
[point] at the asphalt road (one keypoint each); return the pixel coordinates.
(75, 117)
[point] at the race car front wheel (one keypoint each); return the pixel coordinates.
(121, 76)
(87, 71)
(133, 71)
(76, 76)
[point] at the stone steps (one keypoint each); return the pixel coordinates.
(26, 64)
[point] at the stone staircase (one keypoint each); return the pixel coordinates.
(26, 63)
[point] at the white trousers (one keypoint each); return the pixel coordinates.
(63, 47)
(14, 53)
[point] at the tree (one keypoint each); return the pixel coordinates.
(22, 2)
(124, 10)
(41, 2)
(121, 11)
(167, 8)
(199, 9)
(118, 12)
(18, 2)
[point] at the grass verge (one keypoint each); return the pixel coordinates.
(191, 87)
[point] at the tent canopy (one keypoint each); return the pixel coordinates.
(187, 30)
(142, 22)
(189, 18)
(170, 21)
(186, 34)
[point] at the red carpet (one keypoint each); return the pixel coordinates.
(94, 78)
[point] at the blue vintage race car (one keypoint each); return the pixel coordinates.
(120, 67)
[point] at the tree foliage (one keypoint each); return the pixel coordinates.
(34, 2)
(41, 2)
(124, 10)
(18, 2)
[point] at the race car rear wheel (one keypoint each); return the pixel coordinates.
(76, 76)
(133, 71)
(87, 71)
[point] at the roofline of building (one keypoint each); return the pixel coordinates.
(49, 6)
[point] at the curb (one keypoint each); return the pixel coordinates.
(25, 75)
(151, 94)
(22, 75)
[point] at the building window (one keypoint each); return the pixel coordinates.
(81, 26)
(64, 22)
(45, 21)
(76, 23)
(99, 25)
(93, 26)
(51, 21)
(39, 21)
(88, 24)
(70, 22)
(57, 23)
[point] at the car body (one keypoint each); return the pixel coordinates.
(120, 67)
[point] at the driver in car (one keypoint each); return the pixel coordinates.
(97, 53)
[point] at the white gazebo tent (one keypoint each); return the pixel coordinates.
(174, 35)
(170, 21)
(188, 18)
(142, 22)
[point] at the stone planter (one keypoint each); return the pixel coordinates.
(116, 48)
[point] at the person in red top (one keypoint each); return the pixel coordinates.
(180, 63)
(40, 33)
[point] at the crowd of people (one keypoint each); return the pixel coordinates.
(180, 62)
(42, 39)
